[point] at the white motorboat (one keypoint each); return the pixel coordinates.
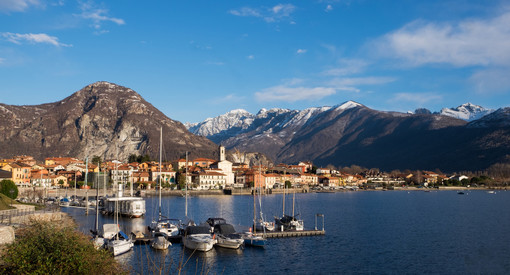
(227, 237)
(160, 243)
(198, 238)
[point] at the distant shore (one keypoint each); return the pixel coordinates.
(29, 192)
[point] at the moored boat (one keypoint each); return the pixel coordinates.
(198, 238)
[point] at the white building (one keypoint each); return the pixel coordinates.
(226, 168)
(209, 179)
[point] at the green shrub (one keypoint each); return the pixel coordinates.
(49, 248)
(9, 188)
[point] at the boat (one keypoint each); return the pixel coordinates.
(287, 222)
(133, 207)
(212, 222)
(227, 237)
(170, 228)
(97, 240)
(198, 238)
(491, 192)
(160, 243)
(117, 242)
(250, 238)
(460, 193)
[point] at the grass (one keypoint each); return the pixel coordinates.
(5, 202)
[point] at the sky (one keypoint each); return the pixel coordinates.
(198, 59)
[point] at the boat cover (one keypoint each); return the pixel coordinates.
(224, 229)
(192, 230)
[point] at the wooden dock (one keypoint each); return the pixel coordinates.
(287, 234)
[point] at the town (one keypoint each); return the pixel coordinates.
(210, 174)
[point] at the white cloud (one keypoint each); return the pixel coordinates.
(466, 43)
(98, 15)
(301, 51)
(347, 67)
(420, 99)
(329, 8)
(2, 60)
(18, 38)
(17, 5)
(280, 12)
(293, 94)
(250, 57)
(246, 12)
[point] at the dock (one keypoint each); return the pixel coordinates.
(287, 234)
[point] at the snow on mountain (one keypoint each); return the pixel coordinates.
(467, 111)
(238, 118)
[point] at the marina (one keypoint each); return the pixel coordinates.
(447, 232)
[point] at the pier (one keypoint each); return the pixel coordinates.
(287, 234)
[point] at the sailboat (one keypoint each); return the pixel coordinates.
(117, 241)
(163, 226)
(250, 238)
(98, 240)
(287, 222)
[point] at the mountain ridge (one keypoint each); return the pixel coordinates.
(101, 119)
(351, 133)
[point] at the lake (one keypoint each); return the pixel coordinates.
(366, 232)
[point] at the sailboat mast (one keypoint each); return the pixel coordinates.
(86, 186)
(293, 201)
(159, 178)
(186, 184)
(97, 199)
(284, 187)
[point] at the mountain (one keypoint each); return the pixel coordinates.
(351, 133)
(101, 119)
(467, 111)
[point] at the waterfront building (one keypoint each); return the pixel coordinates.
(210, 179)
(20, 173)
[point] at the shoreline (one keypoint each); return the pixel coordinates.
(30, 191)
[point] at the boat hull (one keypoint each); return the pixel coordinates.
(119, 247)
(199, 242)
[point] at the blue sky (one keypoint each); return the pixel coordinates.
(199, 59)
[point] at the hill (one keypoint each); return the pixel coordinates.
(101, 119)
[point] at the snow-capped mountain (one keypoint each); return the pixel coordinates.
(467, 112)
(238, 118)
(239, 121)
(351, 133)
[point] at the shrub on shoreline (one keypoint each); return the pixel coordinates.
(50, 248)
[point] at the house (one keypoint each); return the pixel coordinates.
(61, 161)
(307, 164)
(203, 162)
(323, 171)
(59, 179)
(209, 179)
(310, 179)
(42, 181)
(28, 160)
(20, 173)
(167, 176)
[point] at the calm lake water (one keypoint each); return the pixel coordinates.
(366, 232)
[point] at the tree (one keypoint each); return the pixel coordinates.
(60, 183)
(97, 160)
(9, 188)
(288, 184)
